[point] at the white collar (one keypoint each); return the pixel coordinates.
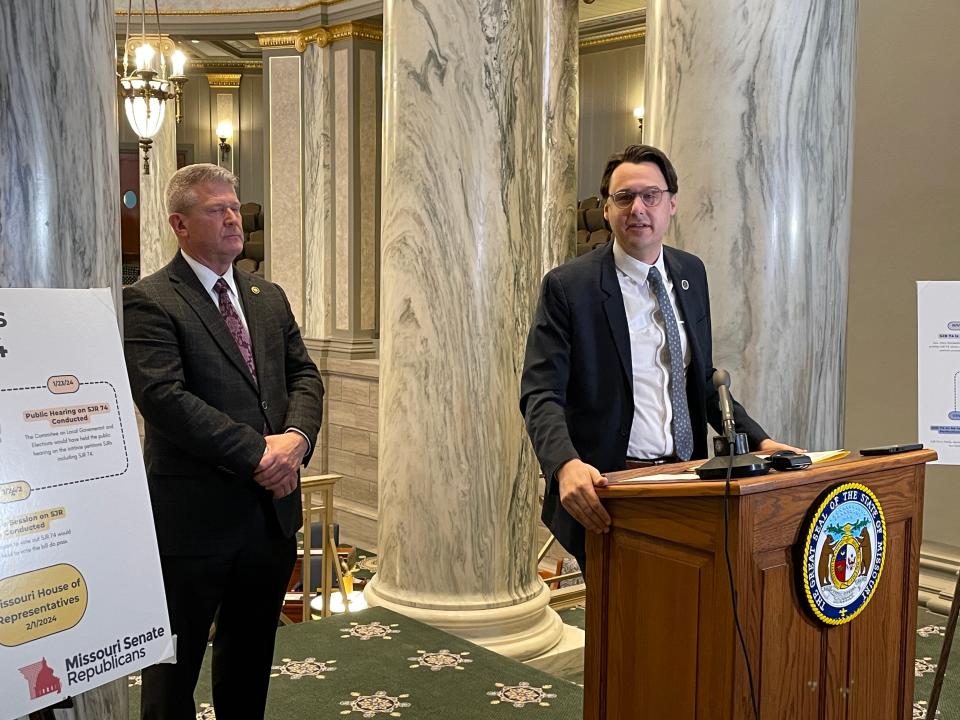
(208, 278)
(634, 269)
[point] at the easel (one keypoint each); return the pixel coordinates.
(944, 653)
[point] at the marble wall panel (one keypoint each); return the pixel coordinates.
(461, 264)
(158, 244)
(317, 189)
(341, 193)
(753, 102)
(368, 186)
(59, 185)
(286, 202)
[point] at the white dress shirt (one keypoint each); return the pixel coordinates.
(208, 278)
(650, 433)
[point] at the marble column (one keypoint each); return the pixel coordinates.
(283, 148)
(462, 257)
(355, 90)
(561, 54)
(339, 105)
(158, 244)
(753, 102)
(317, 193)
(59, 181)
(59, 205)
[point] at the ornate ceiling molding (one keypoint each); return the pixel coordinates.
(321, 35)
(195, 21)
(628, 27)
(243, 10)
(224, 80)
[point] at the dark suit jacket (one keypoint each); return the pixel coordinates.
(204, 417)
(576, 392)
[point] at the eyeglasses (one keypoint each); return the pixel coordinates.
(650, 197)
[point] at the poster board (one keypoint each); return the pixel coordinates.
(81, 592)
(938, 368)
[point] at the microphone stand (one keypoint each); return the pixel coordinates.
(731, 453)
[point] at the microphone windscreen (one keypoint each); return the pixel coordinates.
(721, 377)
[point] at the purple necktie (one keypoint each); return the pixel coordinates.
(235, 326)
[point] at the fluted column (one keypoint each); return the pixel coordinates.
(753, 101)
(59, 182)
(158, 244)
(462, 257)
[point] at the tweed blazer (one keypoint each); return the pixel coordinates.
(205, 416)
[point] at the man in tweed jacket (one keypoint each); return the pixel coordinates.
(232, 406)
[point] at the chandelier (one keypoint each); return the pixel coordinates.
(146, 89)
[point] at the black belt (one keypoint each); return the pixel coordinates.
(634, 463)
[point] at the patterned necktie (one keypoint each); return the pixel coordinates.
(682, 433)
(235, 326)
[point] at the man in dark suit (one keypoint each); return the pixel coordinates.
(619, 363)
(232, 405)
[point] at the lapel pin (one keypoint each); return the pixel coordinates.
(256, 291)
(684, 284)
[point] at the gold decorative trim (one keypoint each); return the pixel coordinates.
(615, 38)
(321, 35)
(356, 31)
(275, 40)
(223, 80)
(243, 11)
(211, 64)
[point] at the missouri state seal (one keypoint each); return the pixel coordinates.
(844, 551)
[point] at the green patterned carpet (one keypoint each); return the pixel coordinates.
(378, 664)
(930, 629)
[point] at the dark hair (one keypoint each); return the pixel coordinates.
(639, 154)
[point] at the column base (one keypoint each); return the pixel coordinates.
(521, 632)
(566, 657)
(362, 348)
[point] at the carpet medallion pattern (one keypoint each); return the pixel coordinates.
(377, 664)
(417, 676)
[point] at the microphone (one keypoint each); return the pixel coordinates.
(731, 453)
(721, 381)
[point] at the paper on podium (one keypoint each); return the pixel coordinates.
(827, 455)
(661, 478)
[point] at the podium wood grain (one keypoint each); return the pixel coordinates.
(661, 640)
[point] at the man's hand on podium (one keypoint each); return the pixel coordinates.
(577, 481)
(770, 445)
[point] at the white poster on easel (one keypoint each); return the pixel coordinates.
(81, 593)
(938, 368)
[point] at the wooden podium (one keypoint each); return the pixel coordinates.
(660, 638)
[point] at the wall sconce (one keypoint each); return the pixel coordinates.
(224, 132)
(638, 114)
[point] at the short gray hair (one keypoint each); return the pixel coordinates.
(180, 196)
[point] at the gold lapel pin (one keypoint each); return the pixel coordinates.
(254, 289)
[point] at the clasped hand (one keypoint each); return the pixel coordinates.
(281, 461)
